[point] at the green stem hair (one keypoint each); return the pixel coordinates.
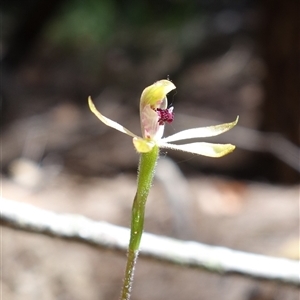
(145, 177)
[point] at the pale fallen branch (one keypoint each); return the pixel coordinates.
(22, 216)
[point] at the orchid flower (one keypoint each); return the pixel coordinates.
(154, 113)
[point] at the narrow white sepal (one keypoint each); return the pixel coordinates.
(200, 132)
(201, 148)
(108, 121)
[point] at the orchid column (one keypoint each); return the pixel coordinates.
(154, 113)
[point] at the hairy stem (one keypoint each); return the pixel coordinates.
(145, 177)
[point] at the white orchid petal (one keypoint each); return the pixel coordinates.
(149, 122)
(108, 121)
(206, 149)
(200, 132)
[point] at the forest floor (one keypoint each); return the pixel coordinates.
(247, 216)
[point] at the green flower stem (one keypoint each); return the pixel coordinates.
(145, 177)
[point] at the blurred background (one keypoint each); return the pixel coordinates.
(227, 58)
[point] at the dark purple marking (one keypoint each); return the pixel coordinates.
(165, 115)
